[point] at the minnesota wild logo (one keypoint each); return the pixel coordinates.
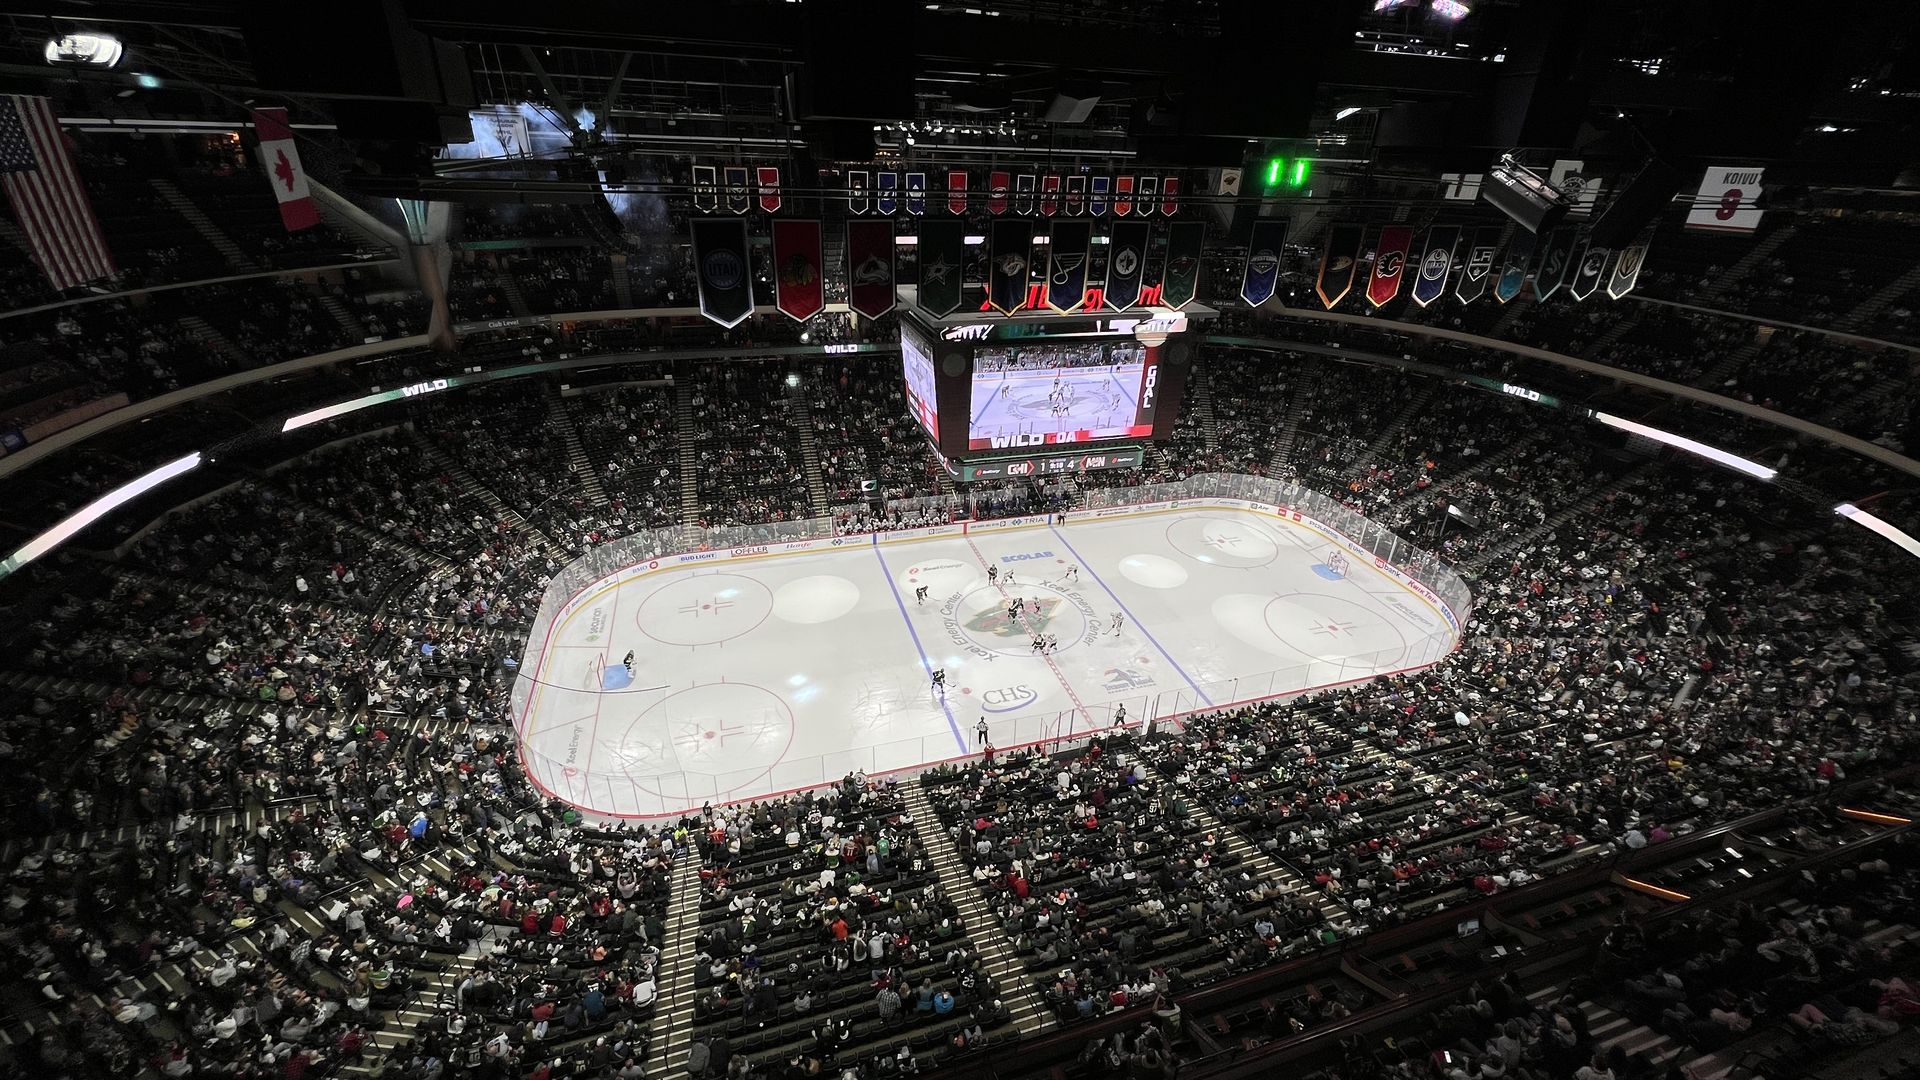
(994, 620)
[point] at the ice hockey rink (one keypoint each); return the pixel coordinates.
(769, 668)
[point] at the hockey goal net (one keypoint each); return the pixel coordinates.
(1336, 563)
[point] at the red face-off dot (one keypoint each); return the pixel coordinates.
(966, 689)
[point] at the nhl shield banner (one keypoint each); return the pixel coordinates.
(1389, 264)
(1589, 268)
(1076, 194)
(706, 188)
(739, 199)
(1049, 195)
(796, 269)
(1513, 272)
(1337, 262)
(1262, 272)
(1431, 284)
(1097, 188)
(857, 191)
(889, 198)
(1067, 264)
(942, 257)
(1023, 186)
(957, 191)
(1149, 190)
(1477, 271)
(998, 184)
(1626, 269)
(870, 267)
(1123, 195)
(916, 193)
(1182, 279)
(720, 259)
(1555, 260)
(1126, 261)
(1170, 196)
(769, 177)
(1007, 262)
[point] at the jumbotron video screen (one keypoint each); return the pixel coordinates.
(1058, 393)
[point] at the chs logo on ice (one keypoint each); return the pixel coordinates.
(1008, 698)
(1029, 555)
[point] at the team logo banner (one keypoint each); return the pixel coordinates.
(1555, 260)
(998, 184)
(1123, 195)
(796, 269)
(1182, 279)
(1626, 268)
(943, 256)
(1067, 264)
(1513, 272)
(1477, 271)
(870, 288)
(1007, 263)
(857, 191)
(739, 199)
(1431, 284)
(1389, 264)
(1049, 195)
(1337, 262)
(957, 191)
(1126, 262)
(1023, 186)
(1097, 189)
(1149, 188)
(1076, 194)
(706, 188)
(720, 260)
(1229, 182)
(1169, 196)
(916, 193)
(769, 176)
(889, 198)
(1261, 275)
(1589, 268)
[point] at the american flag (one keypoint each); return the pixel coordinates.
(47, 196)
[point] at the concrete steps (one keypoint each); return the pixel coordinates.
(672, 1028)
(800, 415)
(1879, 301)
(510, 288)
(1282, 458)
(560, 421)
(215, 342)
(689, 447)
(171, 194)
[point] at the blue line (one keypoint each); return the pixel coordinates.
(958, 739)
(1055, 530)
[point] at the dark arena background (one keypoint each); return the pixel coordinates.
(1360, 540)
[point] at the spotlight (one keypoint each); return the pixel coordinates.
(94, 50)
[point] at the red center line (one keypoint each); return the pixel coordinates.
(1048, 657)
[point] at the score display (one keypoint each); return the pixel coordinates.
(1058, 393)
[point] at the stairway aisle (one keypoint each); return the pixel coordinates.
(1561, 517)
(1282, 458)
(1201, 397)
(560, 419)
(672, 1028)
(216, 342)
(689, 446)
(485, 494)
(171, 194)
(510, 288)
(1879, 301)
(800, 415)
(1384, 441)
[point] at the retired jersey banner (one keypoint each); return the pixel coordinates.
(1261, 275)
(889, 198)
(1181, 281)
(1067, 264)
(706, 188)
(1431, 283)
(1513, 272)
(999, 182)
(1049, 195)
(1123, 195)
(1337, 262)
(739, 199)
(1007, 264)
(1589, 269)
(916, 193)
(1076, 194)
(1626, 268)
(284, 172)
(1727, 199)
(769, 177)
(1169, 196)
(1097, 189)
(1149, 190)
(1476, 273)
(1556, 258)
(1126, 261)
(1389, 264)
(857, 191)
(957, 191)
(1023, 186)
(870, 288)
(943, 256)
(720, 261)
(797, 289)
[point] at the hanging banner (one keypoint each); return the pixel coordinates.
(1229, 182)
(706, 189)
(1435, 264)
(1261, 274)
(1097, 189)
(1513, 272)
(1126, 261)
(943, 255)
(1122, 195)
(1477, 272)
(1389, 264)
(1170, 195)
(870, 288)
(1579, 187)
(1555, 260)
(739, 199)
(1149, 191)
(1076, 194)
(1337, 262)
(1589, 269)
(1626, 268)
(916, 193)
(1023, 186)
(281, 157)
(797, 287)
(1181, 282)
(1728, 199)
(889, 198)
(999, 182)
(857, 191)
(1067, 264)
(769, 177)
(720, 259)
(1007, 262)
(1049, 194)
(956, 191)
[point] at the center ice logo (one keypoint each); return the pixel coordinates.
(994, 619)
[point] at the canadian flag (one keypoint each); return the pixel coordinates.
(281, 158)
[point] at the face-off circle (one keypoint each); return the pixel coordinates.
(1221, 541)
(721, 737)
(704, 609)
(981, 618)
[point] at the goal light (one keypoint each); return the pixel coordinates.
(93, 50)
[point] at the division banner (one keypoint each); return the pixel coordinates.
(1626, 268)
(1261, 275)
(1513, 272)
(1049, 194)
(739, 199)
(1023, 186)
(1126, 261)
(769, 177)
(1477, 271)
(1728, 199)
(1431, 285)
(857, 191)
(889, 198)
(956, 191)
(1170, 196)
(943, 255)
(282, 160)
(1389, 264)
(706, 188)
(1555, 260)
(999, 182)
(1182, 279)
(1589, 268)
(1007, 261)
(870, 288)
(797, 289)
(1337, 262)
(916, 193)
(1067, 264)
(720, 258)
